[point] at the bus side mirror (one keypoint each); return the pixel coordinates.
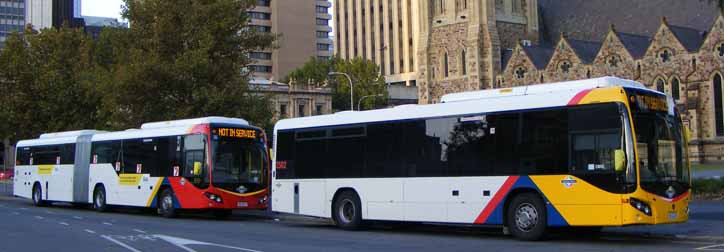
(687, 133)
(197, 168)
(619, 160)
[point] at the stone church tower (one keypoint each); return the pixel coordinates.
(460, 42)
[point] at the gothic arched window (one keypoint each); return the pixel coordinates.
(675, 88)
(719, 49)
(446, 65)
(718, 106)
(661, 85)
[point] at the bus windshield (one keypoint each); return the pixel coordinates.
(239, 165)
(662, 154)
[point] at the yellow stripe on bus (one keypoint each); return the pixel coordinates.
(153, 194)
(45, 169)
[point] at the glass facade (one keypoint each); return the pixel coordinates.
(12, 18)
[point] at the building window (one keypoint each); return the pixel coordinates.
(719, 50)
(322, 47)
(665, 55)
(517, 6)
(301, 110)
(322, 9)
(319, 109)
(675, 88)
(322, 21)
(661, 85)
(445, 63)
(499, 5)
(322, 34)
(260, 15)
(260, 55)
(263, 2)
(282, 111)
(718, 105)
(260, 68)
(565, 66)
(520, 72)
(463, 63)
(260, 28)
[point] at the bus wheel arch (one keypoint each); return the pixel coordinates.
(346, 209)
(165, 202)
(526, 199)
(100, 198)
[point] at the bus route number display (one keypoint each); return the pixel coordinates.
(236, 133)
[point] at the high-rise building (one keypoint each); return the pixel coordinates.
(77, 9)
(304, 26)
(51, 13)
(12, 18)
(385, 32)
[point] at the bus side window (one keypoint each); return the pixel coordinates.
(595, 133)
(106, 152)
(194, 151)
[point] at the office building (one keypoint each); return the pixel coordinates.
(51, 13)
(12, 18)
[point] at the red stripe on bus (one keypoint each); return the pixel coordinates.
(576, 99)
(483, 216)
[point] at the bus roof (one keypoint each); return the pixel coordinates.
(541, 88)
(469, 103)
(155, 129)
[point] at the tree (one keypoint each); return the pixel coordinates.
(181, 59)
(365, 76)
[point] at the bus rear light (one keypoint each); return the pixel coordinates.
(213, 197)
(640, 205)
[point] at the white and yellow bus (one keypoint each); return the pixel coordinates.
(588, 153)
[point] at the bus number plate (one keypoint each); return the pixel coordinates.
(242, 204)
(673, 216)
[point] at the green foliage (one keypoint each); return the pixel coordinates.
(179, 59)
(708, 186)
(365, 76)
(47, 83)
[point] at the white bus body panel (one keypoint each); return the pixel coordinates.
(137, 194)
(56, 186)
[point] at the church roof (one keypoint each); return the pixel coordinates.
(590, 19)
(539, 55)
(636, 45)
(586, 50)
(690, 38)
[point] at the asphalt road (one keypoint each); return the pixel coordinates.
(24, 227)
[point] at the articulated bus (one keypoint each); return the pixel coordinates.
(580, 154)
(212, 163)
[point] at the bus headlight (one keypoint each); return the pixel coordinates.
(213, 197)
(263, 200)
(640, 205)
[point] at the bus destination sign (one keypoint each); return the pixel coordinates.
(236, 133)
(650, 103)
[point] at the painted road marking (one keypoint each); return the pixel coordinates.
(39, 217)
(120, 243)
(16, 213)
(107, 223)
(23, 208)
(77, 217)
(64, 224)
(183, 243)
(715, 247)
(140, 231)
(49, 212)
(90, 231)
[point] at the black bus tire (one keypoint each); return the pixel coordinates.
(165, 204)
(100, 199)
(347, 211)
(527, 218)
(38, 196)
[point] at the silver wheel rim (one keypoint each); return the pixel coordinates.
(100, 200)
(347, 211)
(166, 203)
(526, 217)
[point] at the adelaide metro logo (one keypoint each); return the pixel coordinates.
(569, 181)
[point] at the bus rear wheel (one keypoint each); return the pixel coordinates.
(347, 211)
(100, 203)
(165, 204)
(38, 196)
(527, 218)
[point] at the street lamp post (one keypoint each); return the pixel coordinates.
(359, 103)
(351, 88)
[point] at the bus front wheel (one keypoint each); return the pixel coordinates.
(165, 204)
(347, 211)
(38, 196)
(99, 199)
(526, 217)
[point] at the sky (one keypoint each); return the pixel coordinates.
(101, 8)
